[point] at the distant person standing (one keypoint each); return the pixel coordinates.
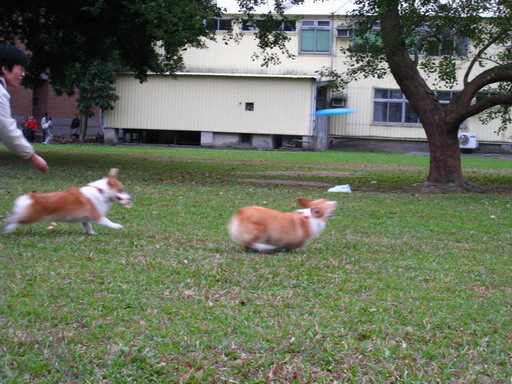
(75, 124)
(49, 131)
(44, 126)
(32, 127)
(12, 63)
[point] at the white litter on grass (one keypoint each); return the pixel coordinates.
(340, 188)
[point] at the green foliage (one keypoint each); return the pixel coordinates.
(400, 287)
(143, 35)
(438, 36)
(96, 88)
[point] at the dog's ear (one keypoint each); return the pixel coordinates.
(303, 203)
(113, 172)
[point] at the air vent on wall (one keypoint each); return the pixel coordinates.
(339, 102)
(344, 31)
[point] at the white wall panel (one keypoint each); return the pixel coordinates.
(214, 103)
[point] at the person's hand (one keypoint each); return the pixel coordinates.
(40, 163)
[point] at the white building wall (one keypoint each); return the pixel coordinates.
(239, 57)
(214, 104)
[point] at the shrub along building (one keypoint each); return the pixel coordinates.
(226, 98)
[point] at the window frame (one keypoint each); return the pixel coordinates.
(316, 27)
(281, 25)
(395, 98)
(449, 44)
(347, 29)
(218, 22)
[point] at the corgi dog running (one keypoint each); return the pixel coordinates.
(265, 229)
(85, 205)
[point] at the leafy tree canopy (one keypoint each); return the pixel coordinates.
(65, 37)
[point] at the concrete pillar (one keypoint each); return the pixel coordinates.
(111, 136)
(206, 139)
(321, 134)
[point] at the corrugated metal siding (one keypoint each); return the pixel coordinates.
(214, 103)
(487, 132)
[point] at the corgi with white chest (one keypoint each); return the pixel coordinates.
(85, 205)
(265, 229)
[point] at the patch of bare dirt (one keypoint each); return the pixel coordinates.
(429, 187)
(285, 182)
(284, 165)
(300, 173)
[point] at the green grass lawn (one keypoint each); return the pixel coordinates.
(401, 287)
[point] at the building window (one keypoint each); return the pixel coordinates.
(286, 25)
(391, 107)
(445, 97)
(363, 42)
(219, 25)
(445, 45)
(315, 36)
(276, 25)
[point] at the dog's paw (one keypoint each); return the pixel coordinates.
(116, 226)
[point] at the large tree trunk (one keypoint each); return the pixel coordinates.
(445, 166)
(445, 162)
(441, 128)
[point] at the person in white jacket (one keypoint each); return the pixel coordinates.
(12, 63)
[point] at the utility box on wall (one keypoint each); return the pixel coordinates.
(467, 140)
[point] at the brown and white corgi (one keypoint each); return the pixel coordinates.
(265, 229)
(76, 205)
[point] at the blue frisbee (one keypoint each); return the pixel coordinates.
(335, 111)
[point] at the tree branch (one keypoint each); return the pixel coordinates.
(419, 43)
(480, 53)
(499, 73)
(402, 67)
(461, 104)
(488, 102)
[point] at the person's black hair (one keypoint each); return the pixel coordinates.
(11, 55)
